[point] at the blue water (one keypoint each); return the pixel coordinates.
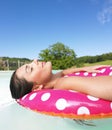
(15, 117)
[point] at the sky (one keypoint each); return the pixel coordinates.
(29, 26)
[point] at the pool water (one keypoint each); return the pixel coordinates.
(15, 117)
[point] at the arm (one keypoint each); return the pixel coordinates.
(100, 87)
(87, 69)
(74, 70)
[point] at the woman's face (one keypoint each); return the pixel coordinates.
(36, 71)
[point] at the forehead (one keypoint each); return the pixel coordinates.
(21, 71)
(21, 68)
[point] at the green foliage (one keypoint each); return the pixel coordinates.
(106, 62)
(93, 59)
(60, 55)
(7, 63)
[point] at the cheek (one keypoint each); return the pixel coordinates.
(41, 75)
(41, 78)
(35, 76)
(45, 77)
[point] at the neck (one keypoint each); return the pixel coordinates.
(53, 80)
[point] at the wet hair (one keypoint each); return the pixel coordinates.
(19, 86)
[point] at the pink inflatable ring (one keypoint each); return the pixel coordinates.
(69, 104)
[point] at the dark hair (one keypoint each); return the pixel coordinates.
(19, 86)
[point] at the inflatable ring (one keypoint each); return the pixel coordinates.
(69, 104)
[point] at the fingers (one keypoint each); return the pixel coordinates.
(96, 69)
(99, 66)
(93, 71)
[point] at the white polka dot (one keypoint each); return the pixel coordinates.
(83, 110)
(32, 96)
(93, 74)
(45, 96)
(102, 70)
(24, 97)
(111, 105)
(110, 68)
(92, 98)
(110, 74)
(86, 74)
(78, 73)
(61, 104)
(73, 91)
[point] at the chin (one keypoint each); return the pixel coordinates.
(49, 64)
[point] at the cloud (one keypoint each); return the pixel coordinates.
(105, 15)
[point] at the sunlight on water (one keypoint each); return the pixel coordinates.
(5, 97)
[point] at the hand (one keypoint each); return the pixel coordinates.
(94, 68)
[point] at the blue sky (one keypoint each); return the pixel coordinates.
(29, 26)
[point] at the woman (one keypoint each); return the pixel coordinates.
(38, 75)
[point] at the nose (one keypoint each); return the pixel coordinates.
(35, 61)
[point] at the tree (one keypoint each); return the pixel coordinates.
(59, 54)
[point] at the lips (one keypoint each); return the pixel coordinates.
(43, 63)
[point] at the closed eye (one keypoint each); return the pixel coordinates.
(31, 69)
(28, 69)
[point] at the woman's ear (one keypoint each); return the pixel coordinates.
(40, 87)
(37, 87)
(33, 88)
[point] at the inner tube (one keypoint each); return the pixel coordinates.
(68, 103)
